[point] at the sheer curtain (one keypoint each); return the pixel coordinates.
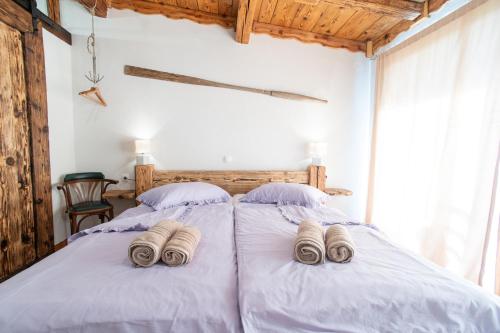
(436, 136)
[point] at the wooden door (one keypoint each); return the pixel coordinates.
(17, 226)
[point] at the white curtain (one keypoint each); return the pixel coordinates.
(437, 130)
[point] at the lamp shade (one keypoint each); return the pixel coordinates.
(317, 152)
(317, 149)
(142, 146)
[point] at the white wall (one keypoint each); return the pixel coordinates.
(193, 127)
(58, 71)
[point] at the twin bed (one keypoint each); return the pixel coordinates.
(242, 277)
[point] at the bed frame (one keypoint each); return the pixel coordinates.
(234, 182)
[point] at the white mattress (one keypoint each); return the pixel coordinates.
(383, 289)
(91, 286)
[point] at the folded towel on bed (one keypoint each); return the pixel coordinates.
(146, 249)
(339, 244)
(180, 249)
(310, 244)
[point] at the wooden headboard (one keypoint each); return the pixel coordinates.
(234, 182)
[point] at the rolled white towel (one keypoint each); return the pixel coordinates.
(309, 244)
(339, 244)
(180, 249)
(145, 250)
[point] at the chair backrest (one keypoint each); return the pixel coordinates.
(83, 175)
(83, 187)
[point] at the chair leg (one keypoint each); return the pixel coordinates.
(101, 217)
(74, 224)
(111, 213)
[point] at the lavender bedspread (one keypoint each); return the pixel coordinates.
(91, 286)
(383, 289)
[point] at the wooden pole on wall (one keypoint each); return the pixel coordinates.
(166, 76)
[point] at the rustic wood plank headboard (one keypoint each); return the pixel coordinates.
(234, 182)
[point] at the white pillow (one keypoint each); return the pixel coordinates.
(286, 194)
(183, 194)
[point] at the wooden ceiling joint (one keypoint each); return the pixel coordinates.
(244, 22)
(101, 6)
(369, 49)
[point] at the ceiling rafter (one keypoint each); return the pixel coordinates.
(173, 12)
(309, 37)
(404, 9)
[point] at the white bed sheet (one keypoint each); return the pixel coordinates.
(91, 286)
(383, 289)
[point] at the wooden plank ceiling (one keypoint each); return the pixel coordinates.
(357, 25)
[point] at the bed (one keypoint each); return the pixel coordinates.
(91, 286)
(383, 289)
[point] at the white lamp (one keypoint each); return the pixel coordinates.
(317, 151)
(142, 149)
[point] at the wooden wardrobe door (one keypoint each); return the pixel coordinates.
(17, 236)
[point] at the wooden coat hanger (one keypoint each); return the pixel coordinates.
(93, 94)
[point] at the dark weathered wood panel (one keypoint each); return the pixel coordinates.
(38, 120)
(16, 17)
(17, 236)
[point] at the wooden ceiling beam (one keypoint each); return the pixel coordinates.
(173, 12)
(101, 8)
(309, 37)
(246, 13)
(240, 20)
(15, 16)
(403, 9)
(53, 9)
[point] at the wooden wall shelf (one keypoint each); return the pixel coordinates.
(338, 191)
(119, 194)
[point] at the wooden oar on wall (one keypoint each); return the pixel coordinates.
(165, 76)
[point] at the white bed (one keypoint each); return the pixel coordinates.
(91, 286)
(383, 289)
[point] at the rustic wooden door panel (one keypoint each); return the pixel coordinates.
(17, 238)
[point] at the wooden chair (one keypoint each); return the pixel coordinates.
(84, 197)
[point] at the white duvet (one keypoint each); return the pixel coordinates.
(91, 286)
(383, 289)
